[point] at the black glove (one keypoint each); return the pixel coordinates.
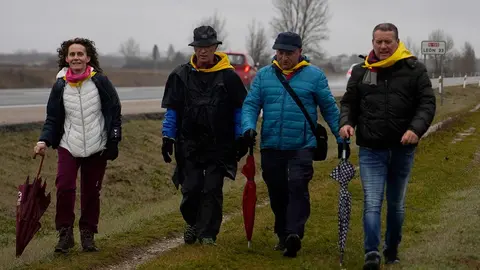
(340, 150)
(242, 147)
(111, 153)
(167, 149)
(249, 137)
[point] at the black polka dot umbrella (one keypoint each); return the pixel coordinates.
(343, 173)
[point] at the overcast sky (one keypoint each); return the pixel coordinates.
(43, 24)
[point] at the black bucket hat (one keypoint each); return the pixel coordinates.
(204, 36)
(287, 41)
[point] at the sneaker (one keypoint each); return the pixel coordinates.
(65, 240)
(208, 241)
(88, 242)
(372, 261)
(281, 244)
(391, 256)
(292, 245)
(190, 234)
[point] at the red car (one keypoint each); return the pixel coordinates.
(244, 66)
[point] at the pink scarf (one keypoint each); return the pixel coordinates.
(74, 78)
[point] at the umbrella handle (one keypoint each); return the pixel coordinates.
(40, 166)
(253, 144)
(344, 151)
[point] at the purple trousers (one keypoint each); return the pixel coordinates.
(92, 170)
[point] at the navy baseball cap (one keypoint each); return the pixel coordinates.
(287, 41)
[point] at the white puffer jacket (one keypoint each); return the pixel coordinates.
(84, 125)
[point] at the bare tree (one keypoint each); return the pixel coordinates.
(412, 46)
(130, 49)
(308, 18)
(257, 43)
(218, 23)
(440, 35)
(155, 56)
(170, 52)
(468, 59)
(454, 63)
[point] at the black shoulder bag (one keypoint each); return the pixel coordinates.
(319, 131)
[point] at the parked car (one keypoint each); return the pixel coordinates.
(349, 72)
(244, 66)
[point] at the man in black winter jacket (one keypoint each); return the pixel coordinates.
(390, 102)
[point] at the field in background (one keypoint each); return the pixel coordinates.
(33, 77)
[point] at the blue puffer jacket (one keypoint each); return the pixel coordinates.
(284, 126)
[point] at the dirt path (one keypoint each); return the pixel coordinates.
(142, 256)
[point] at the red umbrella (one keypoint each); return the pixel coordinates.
(249, 196)
(31, 205)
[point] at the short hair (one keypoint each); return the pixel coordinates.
(386, 27)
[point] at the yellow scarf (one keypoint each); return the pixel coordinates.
(224, 63)
(286, 72)
(401, 53)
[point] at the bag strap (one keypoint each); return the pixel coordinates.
(297, 100)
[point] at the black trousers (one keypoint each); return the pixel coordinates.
(287, 174)
(202, 203)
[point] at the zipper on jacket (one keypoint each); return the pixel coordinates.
(83, 121)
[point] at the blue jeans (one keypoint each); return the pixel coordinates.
(377, 168)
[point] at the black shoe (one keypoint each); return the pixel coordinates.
(281, 244)
(292, 245)
(190, 235)
(65, 241)
(391, 255)
(208, 241)
(372, 261)
(88, 242)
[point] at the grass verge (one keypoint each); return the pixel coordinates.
(139, 204)
(443, 171)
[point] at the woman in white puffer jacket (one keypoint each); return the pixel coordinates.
(84, 124)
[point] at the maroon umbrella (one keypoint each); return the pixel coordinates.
(31, 205)
(249, 196)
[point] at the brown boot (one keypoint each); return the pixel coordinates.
(88, 242)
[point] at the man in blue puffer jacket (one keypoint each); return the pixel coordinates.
(287, 141)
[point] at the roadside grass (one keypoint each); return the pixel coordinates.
(456, 98)
(441, 173)
(139, 203)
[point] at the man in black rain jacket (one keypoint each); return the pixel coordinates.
(203, 99)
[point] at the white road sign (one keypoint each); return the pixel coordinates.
(434, 47)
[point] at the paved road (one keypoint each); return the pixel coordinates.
(28, 105)
(38, 96)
